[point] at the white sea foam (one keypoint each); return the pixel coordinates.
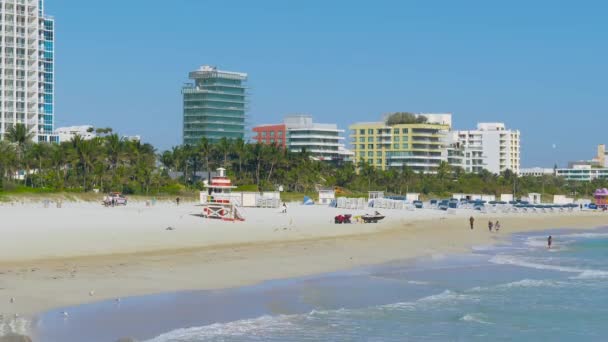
(418, 282)
(246, 327)
(10, 325)
(474, 318)
(592, 274)
(522, 262)
(446, 297)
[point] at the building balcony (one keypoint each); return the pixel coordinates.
(311, 143)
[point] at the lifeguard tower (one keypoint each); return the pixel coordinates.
(217, 200)
(601, 198)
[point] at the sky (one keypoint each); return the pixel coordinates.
(539, 66)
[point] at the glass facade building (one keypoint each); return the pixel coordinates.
(214, 105)
(27, 63)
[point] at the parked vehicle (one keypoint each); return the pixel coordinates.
(418, 204)
(367, 218)
(115, 198)
(340, 219)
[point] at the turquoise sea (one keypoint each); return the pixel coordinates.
(520, 291)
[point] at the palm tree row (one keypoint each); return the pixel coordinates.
(109, 163)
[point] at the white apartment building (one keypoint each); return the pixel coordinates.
(584, 173)
(322, 141)
(536, 172)
(491, 147)
(27, 68)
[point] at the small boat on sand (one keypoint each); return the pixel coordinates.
(367, 218)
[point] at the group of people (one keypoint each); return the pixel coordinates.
(491, 225)
(109, 201)
(496, 227)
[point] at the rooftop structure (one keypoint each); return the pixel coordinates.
(27, 68)
(214, 105)
(536, 172)
(86, 132)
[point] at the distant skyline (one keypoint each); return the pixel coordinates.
(538, 67)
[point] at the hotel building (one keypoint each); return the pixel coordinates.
(27, 68)
(419, 146)
(299, 133)
(584, 173)
(214, 105)
(491, 147)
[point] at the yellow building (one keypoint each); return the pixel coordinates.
(416, 145)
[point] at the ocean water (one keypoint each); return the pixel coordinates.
(521, 291)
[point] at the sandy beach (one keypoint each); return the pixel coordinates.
(81, 253)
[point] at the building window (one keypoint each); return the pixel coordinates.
(361, 139)
(379, 154)
(272, 133)
(362, 146)
(361, 154)
(396, 131)
(405, 145)
(370, 146)
(280, 133)
(370, 131)
(396, 146)
(264, 133)
(370, 154)
(404, 131)
(370, 139)
(396, 138)
(362, 131)
(379, 161)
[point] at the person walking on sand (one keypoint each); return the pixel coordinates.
(497, 226)
(177, 200)
(472, 222)
(549, 241)
(284, 210)
(490, 225)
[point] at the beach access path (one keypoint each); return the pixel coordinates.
(83, 252)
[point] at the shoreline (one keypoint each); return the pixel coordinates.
(41, 285)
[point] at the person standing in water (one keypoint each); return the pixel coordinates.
(472, 222)
(549, 241)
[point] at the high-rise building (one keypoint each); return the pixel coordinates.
(299, 133)
(27, 68)
(491, 147)
(214, 105)
(418, 144)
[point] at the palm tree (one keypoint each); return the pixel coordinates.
(443, 171)
(8, 161)
(223, 147)
(19, 134)
(240, 150)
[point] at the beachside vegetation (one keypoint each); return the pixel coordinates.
(401, 118)
(109, 163)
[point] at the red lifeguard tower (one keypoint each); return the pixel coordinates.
(218, 202)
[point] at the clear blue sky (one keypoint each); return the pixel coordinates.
(540, 66)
